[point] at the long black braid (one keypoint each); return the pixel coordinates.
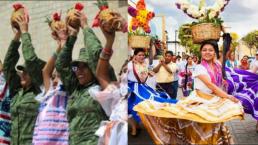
(186, 76)
(186, 71)
(226, 45)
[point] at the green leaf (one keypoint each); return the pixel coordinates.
(251, 39)
(48, 20)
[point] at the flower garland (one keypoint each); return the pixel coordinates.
(140, 17)
(202, 11)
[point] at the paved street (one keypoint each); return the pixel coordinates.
(243, 132)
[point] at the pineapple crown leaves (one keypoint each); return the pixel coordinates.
(101, 4)
(69, 9)
(48, 20)
(55, 17)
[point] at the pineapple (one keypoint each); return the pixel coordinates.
(57, 26)
(19, 10)
(72, 19)
(105, 14)
(56, 22)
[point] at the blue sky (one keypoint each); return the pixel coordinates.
(240, 15)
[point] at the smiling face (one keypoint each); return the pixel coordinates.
(168, 58)
(245, 60)
(83, 73)
(232, 56)
(208, 52)
(139, 57)
(174, 58)
(55, 79)
(195, 59)
(25, 79)
(189, 60)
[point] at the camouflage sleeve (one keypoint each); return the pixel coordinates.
(33, 64)
(11, 58)
(93, 47)
(63, 65)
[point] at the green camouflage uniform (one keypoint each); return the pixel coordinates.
(84, 113)
(24, 107)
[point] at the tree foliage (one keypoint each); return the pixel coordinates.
(251, 39)
(235, 38)
(186, 39)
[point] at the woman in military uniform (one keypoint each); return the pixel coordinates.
(78, 76)
(24, 86)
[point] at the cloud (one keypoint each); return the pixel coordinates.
(237, 15)
(240, 15)
(236, 11)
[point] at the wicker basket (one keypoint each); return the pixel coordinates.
(139, 41)
(205, 31)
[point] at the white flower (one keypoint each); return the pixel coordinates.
(193, 10)
(185, 6)
(183, 1)
(201, 18)
(202, 11)
(220, 3)
(216, 7)
(212, 13)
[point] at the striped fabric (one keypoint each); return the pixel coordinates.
(5, 116)
(52, 126)
(244, 85)
(140, 92)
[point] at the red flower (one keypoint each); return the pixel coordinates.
(153, 14)
(79, 6)
(17, 6)
(182, 74)
(56, 16)
(140, 5)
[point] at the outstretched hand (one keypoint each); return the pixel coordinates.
(83, 19)
(119, 22)
(59, 41)
(108, 32)
(61, 33)
(23, 23)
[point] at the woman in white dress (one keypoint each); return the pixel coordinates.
(51, 126)
(197, 119)
(111, 95)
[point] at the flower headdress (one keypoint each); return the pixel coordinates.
(202, 12)
(140, 17)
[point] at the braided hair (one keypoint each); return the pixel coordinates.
(186, 76)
